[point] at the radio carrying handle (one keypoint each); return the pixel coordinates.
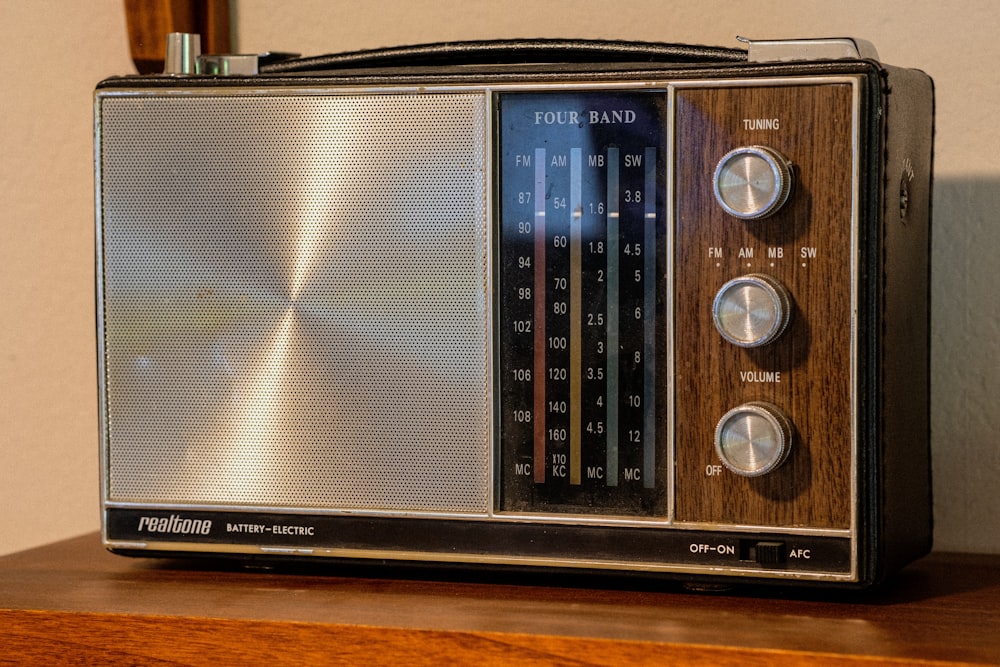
(509, 52)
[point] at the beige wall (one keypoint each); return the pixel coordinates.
(54, 52)
(51, 54)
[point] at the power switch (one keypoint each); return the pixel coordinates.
(763, 553)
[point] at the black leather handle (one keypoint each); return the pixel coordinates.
(510, 52)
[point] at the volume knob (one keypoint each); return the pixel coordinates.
(751, 310)
(753, 439)
(752, 182)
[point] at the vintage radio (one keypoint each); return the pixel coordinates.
(542, 305)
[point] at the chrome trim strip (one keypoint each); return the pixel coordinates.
(671, 222)
(491, 165)
(102, 406)
(477, 559)
(496, 517)
(855, 287)
(653, 85)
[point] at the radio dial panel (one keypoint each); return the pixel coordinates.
(583, 302)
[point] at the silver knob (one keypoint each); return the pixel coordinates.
(752, 182)
(183, 49)
(753, 439)
(751, 310)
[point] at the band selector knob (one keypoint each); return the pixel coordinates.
(752, 310)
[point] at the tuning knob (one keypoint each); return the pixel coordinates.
(752, 182)
(753, 439)
(751, 310)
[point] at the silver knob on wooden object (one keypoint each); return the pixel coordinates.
(752, 182)
(753, 439)
(751, 310)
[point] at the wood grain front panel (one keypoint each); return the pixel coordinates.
(807, 246)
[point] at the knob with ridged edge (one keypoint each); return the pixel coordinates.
(752, 182)
(752, 310)
(753, 439)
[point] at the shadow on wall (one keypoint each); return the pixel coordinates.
(965, 363)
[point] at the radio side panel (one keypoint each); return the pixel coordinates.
(902, 472)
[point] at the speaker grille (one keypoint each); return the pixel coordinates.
(294, 300)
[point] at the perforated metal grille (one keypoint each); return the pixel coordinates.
(294, 307)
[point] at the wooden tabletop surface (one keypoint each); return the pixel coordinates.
(73, 598)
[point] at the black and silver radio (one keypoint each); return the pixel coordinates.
(592, 306)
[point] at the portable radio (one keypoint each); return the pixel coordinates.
(570, 305)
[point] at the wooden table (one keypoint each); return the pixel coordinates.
(73, 602)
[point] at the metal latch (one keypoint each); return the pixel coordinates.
(829, 48)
